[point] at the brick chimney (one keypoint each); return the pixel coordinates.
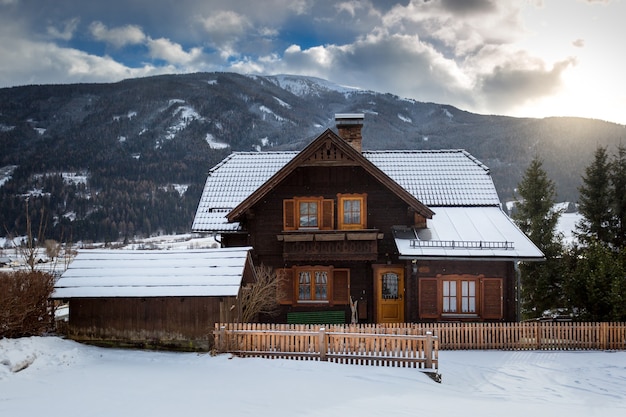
(349, 126)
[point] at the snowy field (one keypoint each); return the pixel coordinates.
(64, 378)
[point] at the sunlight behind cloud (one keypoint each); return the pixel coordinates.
(484, 56)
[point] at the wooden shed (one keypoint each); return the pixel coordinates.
(153, 299)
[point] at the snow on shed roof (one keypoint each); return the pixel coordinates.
(153, 273)
(436, 178)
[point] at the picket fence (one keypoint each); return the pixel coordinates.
(280, 339)
(536, 335)
(333, 343)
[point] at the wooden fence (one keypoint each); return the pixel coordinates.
(334, 343)
(527, 335)
(456, 336)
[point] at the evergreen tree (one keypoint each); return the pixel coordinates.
(595, 283)
(536, 217)
(618, 197)
(595, 201)
(595, 272)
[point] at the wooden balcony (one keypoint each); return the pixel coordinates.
(330, 245)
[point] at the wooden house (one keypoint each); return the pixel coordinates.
(373, 236)
(151, 298)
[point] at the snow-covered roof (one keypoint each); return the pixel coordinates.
(231, 182)
(435, 178)
(467, 233)
(153, 273)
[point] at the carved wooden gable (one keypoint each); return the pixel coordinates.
(328, 153)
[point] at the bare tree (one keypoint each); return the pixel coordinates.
(24, 303)
(28, 248)
(261, 297)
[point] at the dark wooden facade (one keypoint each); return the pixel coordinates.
(178, 323)
(326, 170)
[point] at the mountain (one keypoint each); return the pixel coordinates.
(111, 161)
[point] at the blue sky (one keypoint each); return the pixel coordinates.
(534, 58)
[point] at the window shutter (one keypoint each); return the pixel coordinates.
(289, 218)
(492, 298)
(364, 212)
(341, 287)
(285, 286)
(429, 298)
(327, 215)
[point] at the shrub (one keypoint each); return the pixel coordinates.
(24, 304)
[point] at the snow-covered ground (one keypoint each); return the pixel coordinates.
(68, 379)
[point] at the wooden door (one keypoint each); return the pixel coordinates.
(389, 293)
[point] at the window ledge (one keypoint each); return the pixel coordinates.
(310, 302)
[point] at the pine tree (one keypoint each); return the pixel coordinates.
(618, 197)
(595, 283)
(595, 201)
(595, 272)
(536, 217)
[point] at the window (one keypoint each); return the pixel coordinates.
(314, 284)
(352, 211)
(390, 286)
(308, 213)
(459, 296)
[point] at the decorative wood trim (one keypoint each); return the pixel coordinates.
(329, 237)
(362, 236)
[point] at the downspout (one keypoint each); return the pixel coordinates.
(216, 239)
(518, 291)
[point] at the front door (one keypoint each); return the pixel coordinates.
(389, 293)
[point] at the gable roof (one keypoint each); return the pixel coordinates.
(151, 273)
(436, 178)
(329, 149)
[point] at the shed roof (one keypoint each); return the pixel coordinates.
(147, 273)
(434, 177)
(467, 233)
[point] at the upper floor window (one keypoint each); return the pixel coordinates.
(308, 213)
(352, 211)
(318, 212)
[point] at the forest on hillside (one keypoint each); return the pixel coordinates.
(144, 146)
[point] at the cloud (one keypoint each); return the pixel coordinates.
(225, 29)
(521, 81)
(579, 43)
(67, 32)
(164, 49)
(468, 7)
(26, 62)
(119, 36)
